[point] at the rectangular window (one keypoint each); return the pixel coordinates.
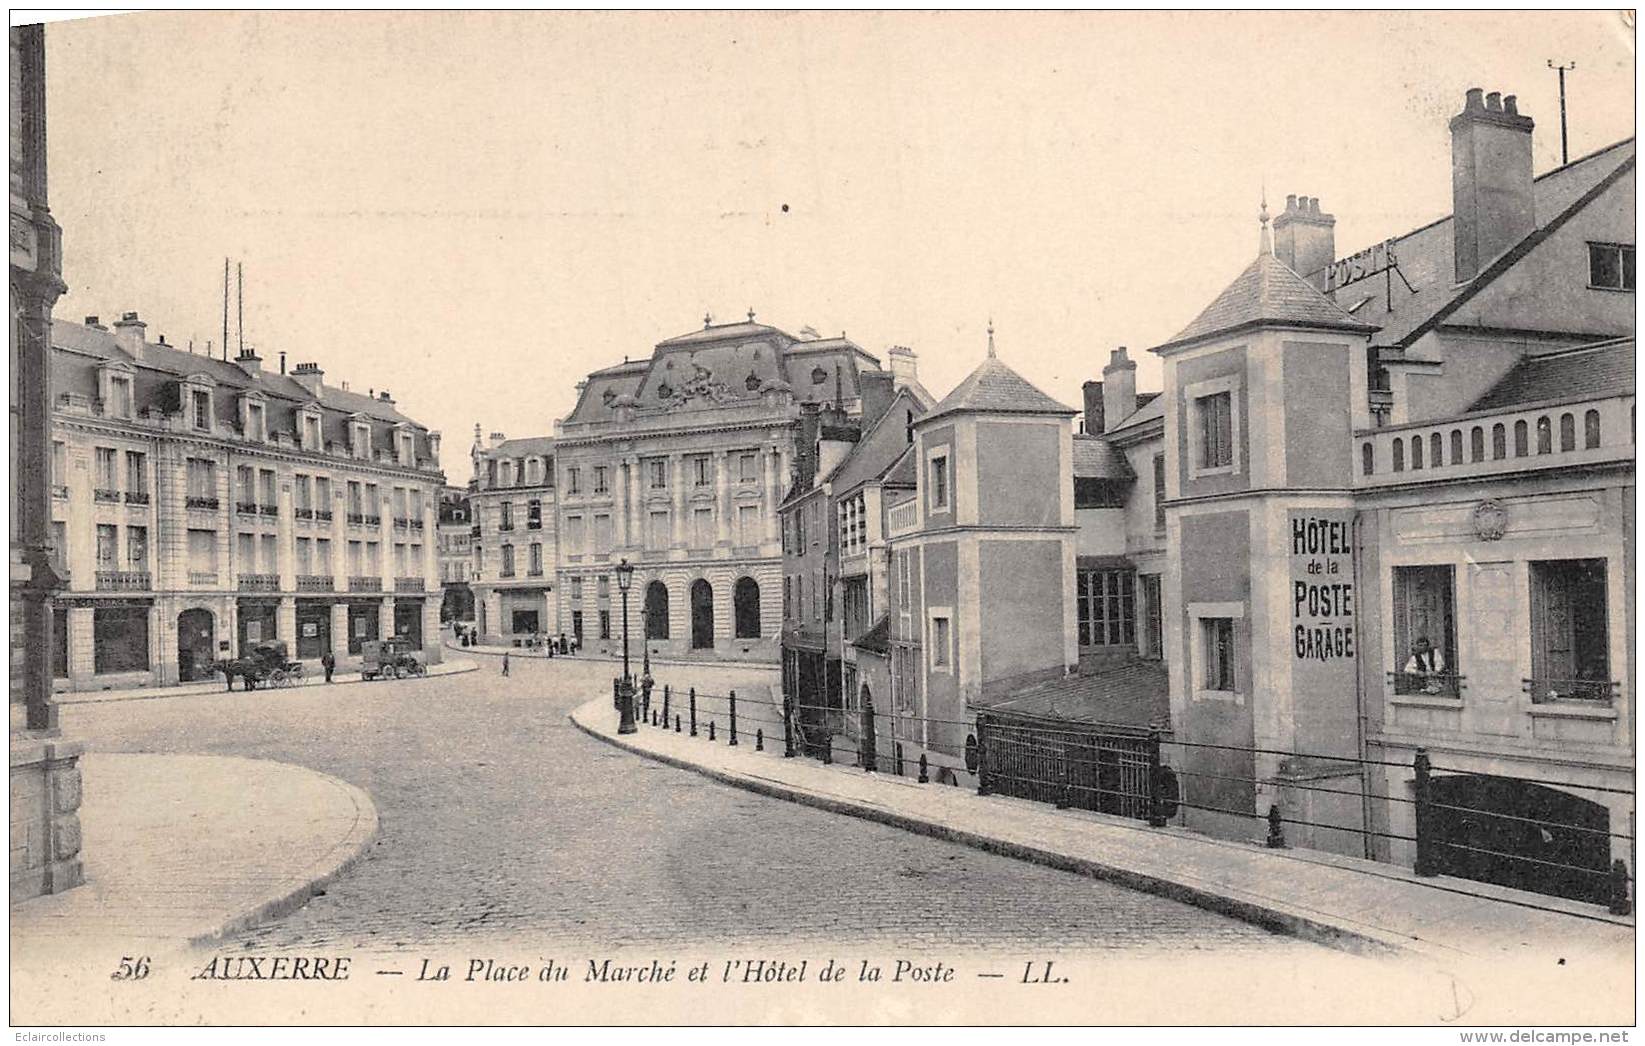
(120, 639)
(374, 559)
(107, 546)
(137, 548)
(202, 552)
(603, 538)
(399, 502)
(536, 563)
(1217, 654)
(1106, 601)
(267, 488)
(656, 534)
(1424, 631)
(601, 485)
(605, 624)
(399, 559)
(574, 535)
(1216, 430)
(120, 397)
(59, 463)
(305, 556)
(1570, 633)
(1611, 266)
(1153, 616)
(702, 473)
(356, 559)
(573, 481)
(788, 598)
(271, 554)
(311, 432)
(137, 473)
(1159, 491)
(659, 473)
(202, 478)
(702, 528)
(748, 466)
(534, 514)
(322, 495)
(356, 503)
(202, 410)
(602, 586)
(576, 589)
(939, 483)
(322, 555)
(941, 640)
(748, 524)
(506, 515)
(254, 421)
(508, 561)
(302, 492)
(374, 501)
(106, 469)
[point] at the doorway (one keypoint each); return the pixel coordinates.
(196, 644)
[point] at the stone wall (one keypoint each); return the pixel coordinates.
(45, 817)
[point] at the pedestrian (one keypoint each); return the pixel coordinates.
(328, 661)
(505, 664)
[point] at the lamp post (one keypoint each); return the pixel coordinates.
(625, 689)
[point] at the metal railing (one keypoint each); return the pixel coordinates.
(365, 584)
(408, 584)
(259, 582)
(316, 583)
(202, 502)
(122, 580)
(137, 497)
(106, 495)
(1547, 690)
(202, 577)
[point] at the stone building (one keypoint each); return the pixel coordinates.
(200, 505)
(678, 463)
(455, 551)
(45, 774)
(512, 501)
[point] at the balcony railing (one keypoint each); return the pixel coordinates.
(1558, 436)
(106, 495)
(365, 584)
(1427, 684)
(416, 524)
(505, 526)
(122, 581)
(402, 523)
(137, 497)
(474, 531)
(269, 510)
(246, 508)
(59, 491)
(259, 582)
(903, 518)
(1589, 691)
(534, 524)
(323, 515)
(198, 501)
(408, 584)
(302, 513)
(316, 583)
(202, 577)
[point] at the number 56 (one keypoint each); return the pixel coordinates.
(131, 969)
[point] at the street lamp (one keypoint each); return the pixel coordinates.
(625, 689)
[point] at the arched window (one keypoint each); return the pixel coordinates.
(1499, 442)
(1367, 458)
(1456, 446)
(1416, 452)
(745, 600)
(656, 610)
(1544, 435)
(1399, 454)
(1436, 451)
(1590, 425)
(1522, 444)
(1476, 440)
(1567, 432)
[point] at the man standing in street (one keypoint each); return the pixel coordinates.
(505, 664)
(328, 661)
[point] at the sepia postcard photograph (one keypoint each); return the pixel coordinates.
(825, 519)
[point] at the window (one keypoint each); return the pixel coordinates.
(1424, 631)
(119, 404)
(202, 409)
(271, 555)
(255, 428)
(1106, 604)
(657, 533)
(1456, 446)
(1611, 266)
(576, 590)
(602, 586)
(745, 598)
(311, 432)
(1544, 435)
(267, 486)
(107, 546)
(1567, 432)
(1159, 491)
(535, 565)
(322, 496)
(788, 598)
(941, 640)
(137, 548)
(356, 559)
(202, 479)
(748, 525)
(360, 439)
(1217, 654)
(702, 528)
(1590, 430)
(1216, 430)
(107, 476)
(1367, 459)
(748, 467)
(1521, 439)
(120, 639)
(374, 503)
(1153, 616)
(137, 484)
(605, 624)
(659, 473)
(1570, 634)
(202, 552)
(1476, 444)
(603, 538)
(374, 559)
(302, 493)
(1499, 442)
(1416, 452)
(854, 606)
(59, 463)
(305, 556)
(939, 483)
(408, 449)
(702, 474)
(799, 597)
(601, 485)
(574, 535)
(508, 473)
(534, 514)
(399, 559)
(573, 481)
(508, 561)
(506, 515)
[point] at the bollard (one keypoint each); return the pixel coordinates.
(733, 740)
(693, 711)
(1619, 888)
(676, 722)
(616, 693)
(759, 739)
(1276, 828)
(1425, 857)
(828, 750)
(899, 758)
(925, 770)
(711, 729)
(665, 704)
(788, 731)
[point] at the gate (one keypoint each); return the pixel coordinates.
(1069, 764)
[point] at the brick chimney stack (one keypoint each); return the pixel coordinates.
(1094, 421)
(1119, 387)
(1305, 238)
(310, 377)
(1491, 188)
(129, 334)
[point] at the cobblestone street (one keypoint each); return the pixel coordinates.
(498, 817)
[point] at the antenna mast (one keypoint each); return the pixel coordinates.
(225, 309)
(240, 270)
(1564, 140)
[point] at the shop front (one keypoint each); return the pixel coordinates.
(313, 628)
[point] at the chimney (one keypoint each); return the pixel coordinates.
(1305, 239)
(496, 440)
(282, 361)
(310, 377)
(1093, 407)
(1119, 386)
(903, 365)
(128, 334)
(95, 324)
(1491, 193)
(249, 361)
(877, 389)
(384, 397)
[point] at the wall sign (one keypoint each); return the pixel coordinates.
(1322, 586)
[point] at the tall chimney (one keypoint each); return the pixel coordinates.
(877, 389)
(1093, 407)
(1305, 238)
(249, 361)
(904, 365)
(129, 334)
(1119, 386)
(1491, 191)
(310, 377)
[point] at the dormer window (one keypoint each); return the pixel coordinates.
(309, 431)
(359, 433)
(407, 448)
(200, 409)
(115, 389)
(253, 418)
(507, 473)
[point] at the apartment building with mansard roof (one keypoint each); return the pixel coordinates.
(201, 505)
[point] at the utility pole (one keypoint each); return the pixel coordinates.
(1564, 140)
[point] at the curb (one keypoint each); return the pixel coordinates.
(347, 853)
(1264, 914)
(751, 666)
(159, 692)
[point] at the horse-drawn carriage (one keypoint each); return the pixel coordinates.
(389, 659)
(262, 664)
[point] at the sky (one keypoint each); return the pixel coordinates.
(473, 210)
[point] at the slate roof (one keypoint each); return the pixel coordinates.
(1134, 694)
(904, 473)
(1267, 292)
(994, 388)
(1096, 458)
(880, 446)
(876, 640)
(1586, 373)
(722, 332)
(524, 446)
(1152, 410)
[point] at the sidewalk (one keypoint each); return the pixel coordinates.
(187, 848)
(1343, 902)
(216, 686)
(744, 666)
